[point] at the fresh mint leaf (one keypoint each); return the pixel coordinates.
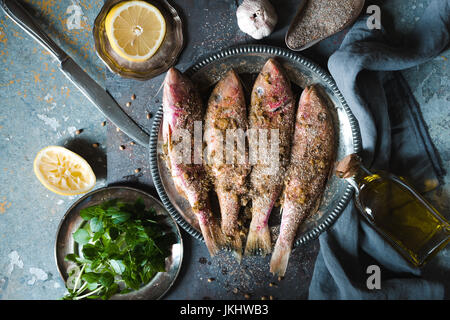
(124, 291)
(81, 236)
(91, 277)
(99, 211)
(111, 249)
(96, 224)
(117, 265)
(94, 265)
(113, 233)
(106, 279)
(83, 261)
(132, 283)
(92, 286)
(97, 235)
(71, 257)
(87, 213)
(90, 251)
(112, 210)
(123, 242)
(120, 217)
(110, 291)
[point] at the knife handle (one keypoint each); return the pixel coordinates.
(19, 15)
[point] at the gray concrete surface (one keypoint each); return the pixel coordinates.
(40, 108)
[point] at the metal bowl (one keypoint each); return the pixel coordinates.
(247, 61)
(71, 221)
(163, 59)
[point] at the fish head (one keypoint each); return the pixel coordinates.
(176, 89)
(227, 93)
(230, 86)
(180, 99)
(272, 67)
(272, 89)
(311, 107)
(306, 94)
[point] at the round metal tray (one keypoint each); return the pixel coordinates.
(162, 281)
(247, 61)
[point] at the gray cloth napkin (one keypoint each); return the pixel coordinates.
(394, 138)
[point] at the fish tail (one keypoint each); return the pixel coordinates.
(280, 259)
(212, 233)
(258, 241)
(290, 221)
(234, 243)
(232, 237)
(229, 207)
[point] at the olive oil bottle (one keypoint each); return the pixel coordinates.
(397, 212)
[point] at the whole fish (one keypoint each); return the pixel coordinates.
(312, 155)
(272, 109)
(226, 116)
(182, 106)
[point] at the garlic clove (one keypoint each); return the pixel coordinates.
(257, 18)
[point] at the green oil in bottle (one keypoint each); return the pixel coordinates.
(400, 214)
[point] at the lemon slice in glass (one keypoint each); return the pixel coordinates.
(135, 30)
(63, 171)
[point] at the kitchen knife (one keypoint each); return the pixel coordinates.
(91, 89)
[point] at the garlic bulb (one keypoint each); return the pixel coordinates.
(256, 18)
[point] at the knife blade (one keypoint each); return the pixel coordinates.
(88, 86)
(103, 101)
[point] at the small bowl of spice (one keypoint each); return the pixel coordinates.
(318, 19)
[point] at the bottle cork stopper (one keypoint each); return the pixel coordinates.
(348, 166)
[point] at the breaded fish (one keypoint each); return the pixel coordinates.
(226, 116)
(272, 109)
(182, 106)
(311, 158)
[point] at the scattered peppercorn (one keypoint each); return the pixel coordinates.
(95, 145)
(117, 129)
(137, 170)
(246, 296)
(132, 143)
(122, 147)
(211, 279)
(103, 123)
(133, 97)
(128, 104)
(79, 131)
(149, 115)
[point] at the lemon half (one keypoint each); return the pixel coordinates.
(135, 30)
(63, 171)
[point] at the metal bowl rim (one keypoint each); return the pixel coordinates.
(276, 51)
(69, 210)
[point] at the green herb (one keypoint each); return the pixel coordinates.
(122, 248)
